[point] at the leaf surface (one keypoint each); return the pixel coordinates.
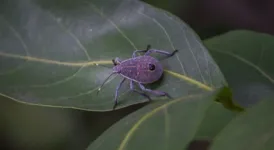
(253, 130)
(246, 60)
(172, 125)
(52, 52)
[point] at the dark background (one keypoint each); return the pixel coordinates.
(31, 127)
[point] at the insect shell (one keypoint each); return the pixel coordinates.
(141, 69)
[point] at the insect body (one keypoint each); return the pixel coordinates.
(141, 70)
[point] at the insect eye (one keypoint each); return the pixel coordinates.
(151, 67)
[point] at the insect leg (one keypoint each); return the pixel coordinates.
(138, 51)
(148, 47)
(161, 52)
(116, 61)
(116, 92)
(155, 92)
(141, 93)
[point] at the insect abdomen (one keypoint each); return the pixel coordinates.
(137, 69)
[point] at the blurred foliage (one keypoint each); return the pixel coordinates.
(191, 11)
(27, 127)
(177, 7)
(246, 60)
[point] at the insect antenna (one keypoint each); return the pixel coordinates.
(99, 89)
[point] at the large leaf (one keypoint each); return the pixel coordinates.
(246, 60)
(171, 126)
(253, 130)
(52, 52)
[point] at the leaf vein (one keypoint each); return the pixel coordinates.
(194, 57)
(59, 81)
(25, 47)
(168, 38)
(146, 116)
(261, 55)
(85, 93)
(248, 63)
(80, 64)
(167, 127)
(82, 47)
(207, 62)
(45, 105)
(188, 44)
(48, 61)
(95, 8)
(190, 80)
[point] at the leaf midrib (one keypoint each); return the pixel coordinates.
(99, 62)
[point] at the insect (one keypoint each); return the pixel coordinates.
(141, 70)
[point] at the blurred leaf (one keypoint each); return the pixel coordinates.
(49, 50)
(173, 6)
(253, 130)
(225, 97)
(169, 126)
(215, 119)
(246, 60)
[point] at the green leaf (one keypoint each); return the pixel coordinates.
(246, 60)
(225, 97)
(253, 130)
(52, 52)
(215, 119)
(171, 125)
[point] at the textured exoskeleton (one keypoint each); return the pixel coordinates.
(140, 69)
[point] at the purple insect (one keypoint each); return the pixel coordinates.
(140, 69)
